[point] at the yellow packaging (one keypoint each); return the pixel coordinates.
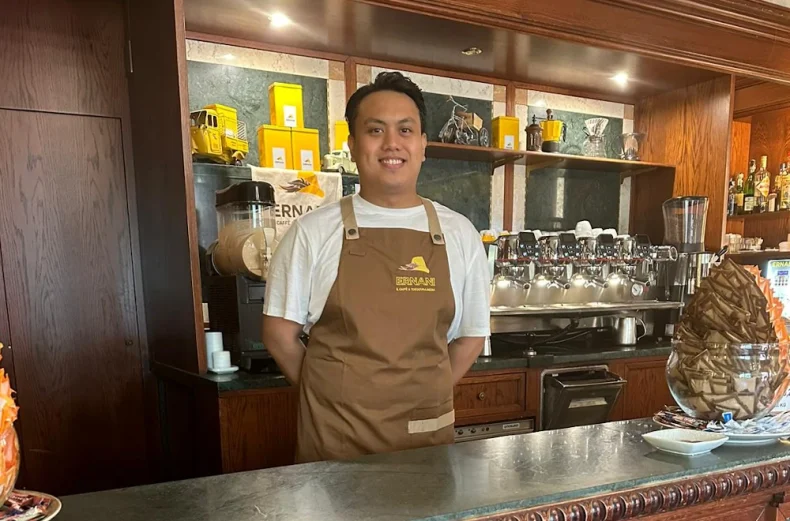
(285, 105)
(506, 132)
(341, 135)
(305, 150)
(274, 147)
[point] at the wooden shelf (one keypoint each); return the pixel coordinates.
(496, 156)
(783, 214)
(537, 160)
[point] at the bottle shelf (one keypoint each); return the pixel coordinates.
(781, 214)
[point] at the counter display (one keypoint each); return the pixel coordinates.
(590, 470)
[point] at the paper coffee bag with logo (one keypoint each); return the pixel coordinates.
(298, 192)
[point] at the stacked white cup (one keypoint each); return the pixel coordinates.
(213, 345)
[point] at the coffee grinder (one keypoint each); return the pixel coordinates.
(237, 264)
(684, 228)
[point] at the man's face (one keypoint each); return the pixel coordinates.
(388, 145)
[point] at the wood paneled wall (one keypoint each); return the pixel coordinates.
(770, 135)
(772, 227)
(739, 153)
(165, 189)
(690, 128)
(70, 255)
(761, 97)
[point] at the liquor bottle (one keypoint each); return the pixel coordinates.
(731, 198)
(784, 193)
(748, 190)
(739, 194)
(778, 180)
(762, 186)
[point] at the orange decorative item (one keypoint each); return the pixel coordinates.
(9, 442)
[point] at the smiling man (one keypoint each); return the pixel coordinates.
(392, 290)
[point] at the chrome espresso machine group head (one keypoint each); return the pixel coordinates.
(566, 269)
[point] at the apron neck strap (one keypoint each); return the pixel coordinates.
(434, 227)
(351, 229)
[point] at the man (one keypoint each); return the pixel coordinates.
(392, 290)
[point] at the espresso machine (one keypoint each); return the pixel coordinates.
(567, 269)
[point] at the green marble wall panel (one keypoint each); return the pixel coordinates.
(556, 199)
(575, 136)
(459, 185)
(247, 90)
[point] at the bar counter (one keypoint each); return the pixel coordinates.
(597, 472)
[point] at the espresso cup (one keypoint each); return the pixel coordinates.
(221, 359)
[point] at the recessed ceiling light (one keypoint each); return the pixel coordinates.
(621, 78)
(472, 51)
(228, 56)
(279, 20)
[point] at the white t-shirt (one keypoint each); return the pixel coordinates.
(304, 266)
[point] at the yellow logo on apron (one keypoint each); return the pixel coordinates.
(415, 283)
(416, 264)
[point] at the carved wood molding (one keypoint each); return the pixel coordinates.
(755, 18)
(657, 499)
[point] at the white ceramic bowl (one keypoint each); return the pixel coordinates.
(685, 442)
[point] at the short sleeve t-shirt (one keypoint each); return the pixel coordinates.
(305, 264)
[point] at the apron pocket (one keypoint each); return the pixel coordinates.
(432, 419)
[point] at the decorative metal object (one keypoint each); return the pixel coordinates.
(463, 128)
(534, 135)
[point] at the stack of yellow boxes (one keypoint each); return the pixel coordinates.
(285, 143)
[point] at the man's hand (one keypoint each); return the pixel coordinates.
(463, 353)
(281, 338)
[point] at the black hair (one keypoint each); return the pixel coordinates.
(394, 81)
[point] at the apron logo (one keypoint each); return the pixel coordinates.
(415, 283)
(306, 183)
(416, 264)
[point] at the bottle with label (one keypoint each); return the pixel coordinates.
(748, 189)
(762, 186)
(731, 199)
(784, 192)
(739, 194)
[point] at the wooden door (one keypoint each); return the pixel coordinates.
(66, 255)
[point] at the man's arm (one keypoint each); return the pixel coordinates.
(475, 323)
(287, 300)
(463, 353)
(281, 338)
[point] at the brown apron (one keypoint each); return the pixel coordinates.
(376, 376)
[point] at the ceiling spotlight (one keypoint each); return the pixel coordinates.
(472, 51)
(621, 78)
(279, 20)
(228, 57)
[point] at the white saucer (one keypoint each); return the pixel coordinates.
(737, 439)
(684, 442)
(225, 370)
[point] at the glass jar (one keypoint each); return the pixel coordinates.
(709, 379)
(247, 230)
(9, 471)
